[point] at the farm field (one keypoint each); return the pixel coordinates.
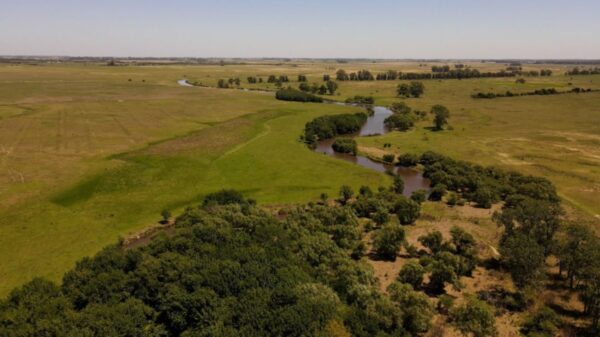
(91, 153)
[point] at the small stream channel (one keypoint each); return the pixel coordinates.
(413, 179)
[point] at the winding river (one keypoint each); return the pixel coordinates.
(413, 179)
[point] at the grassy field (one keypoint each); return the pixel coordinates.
(89, 153)
(88, 156)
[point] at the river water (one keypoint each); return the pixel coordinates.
(413, 179)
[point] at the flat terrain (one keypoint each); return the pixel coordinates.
(90, 153)
(88, 156)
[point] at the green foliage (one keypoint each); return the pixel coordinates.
(433, 241)
(381, 216)
(290, 94)
(440, 116)
(398, 184)
(388, 158)
(414, 89)
(475, 317)
(399, 122)
(419, 196)
(346, 193)
(228, 269)
(578, 252)
(365, 191)
(484, 197)
(225, 197)
(524, 258)
(418, 311)
(331, 87)
(303, 86)
(345, 145)
(400, 108)
(326, 127)
(166, 215)
(361, 100)
(412, 273)
(408, 160)
(437, 192)
(543, 323)
(441, 273)
(407, 210)
(388, 240)
(445, 303)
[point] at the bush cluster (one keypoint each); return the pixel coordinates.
(326, 127)
(291, 94)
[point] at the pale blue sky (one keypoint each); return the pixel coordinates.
(309, 28)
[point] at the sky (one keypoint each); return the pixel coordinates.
(399, 29)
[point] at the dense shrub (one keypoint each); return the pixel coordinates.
(344, 145)
(326, 127)
(291, 94)
(412, 273)
(363, 100)
(408, 160)
(227, 269)
(388, 241)
(399, 122)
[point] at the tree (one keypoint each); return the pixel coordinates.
(398, 184)
(407, 210)
(539, 219)
(412, 273)
(388, 241)
(365, 191)
(381, 216)
(403, 90)
(326, 78)
(341, 75)
(417, 310)
(222, 84)
(524, 259)
(322, 90)
(579, 252)
(543, 323)
(331, 87)
(408, 159)
(437, 192)
(484, 197)
(346, 193)
(399, 122)
(301, 78)
(400, 108)
(166, 215)
(433, 241)
(475, 317)
(441, 115)
(416, 89)
(441, 274)
(419, 196)
(304, 87)
(388, 158)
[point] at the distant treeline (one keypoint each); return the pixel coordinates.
(541, 92)
(590, 71)
(438, 72)
(291, 94)
(327, 127)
